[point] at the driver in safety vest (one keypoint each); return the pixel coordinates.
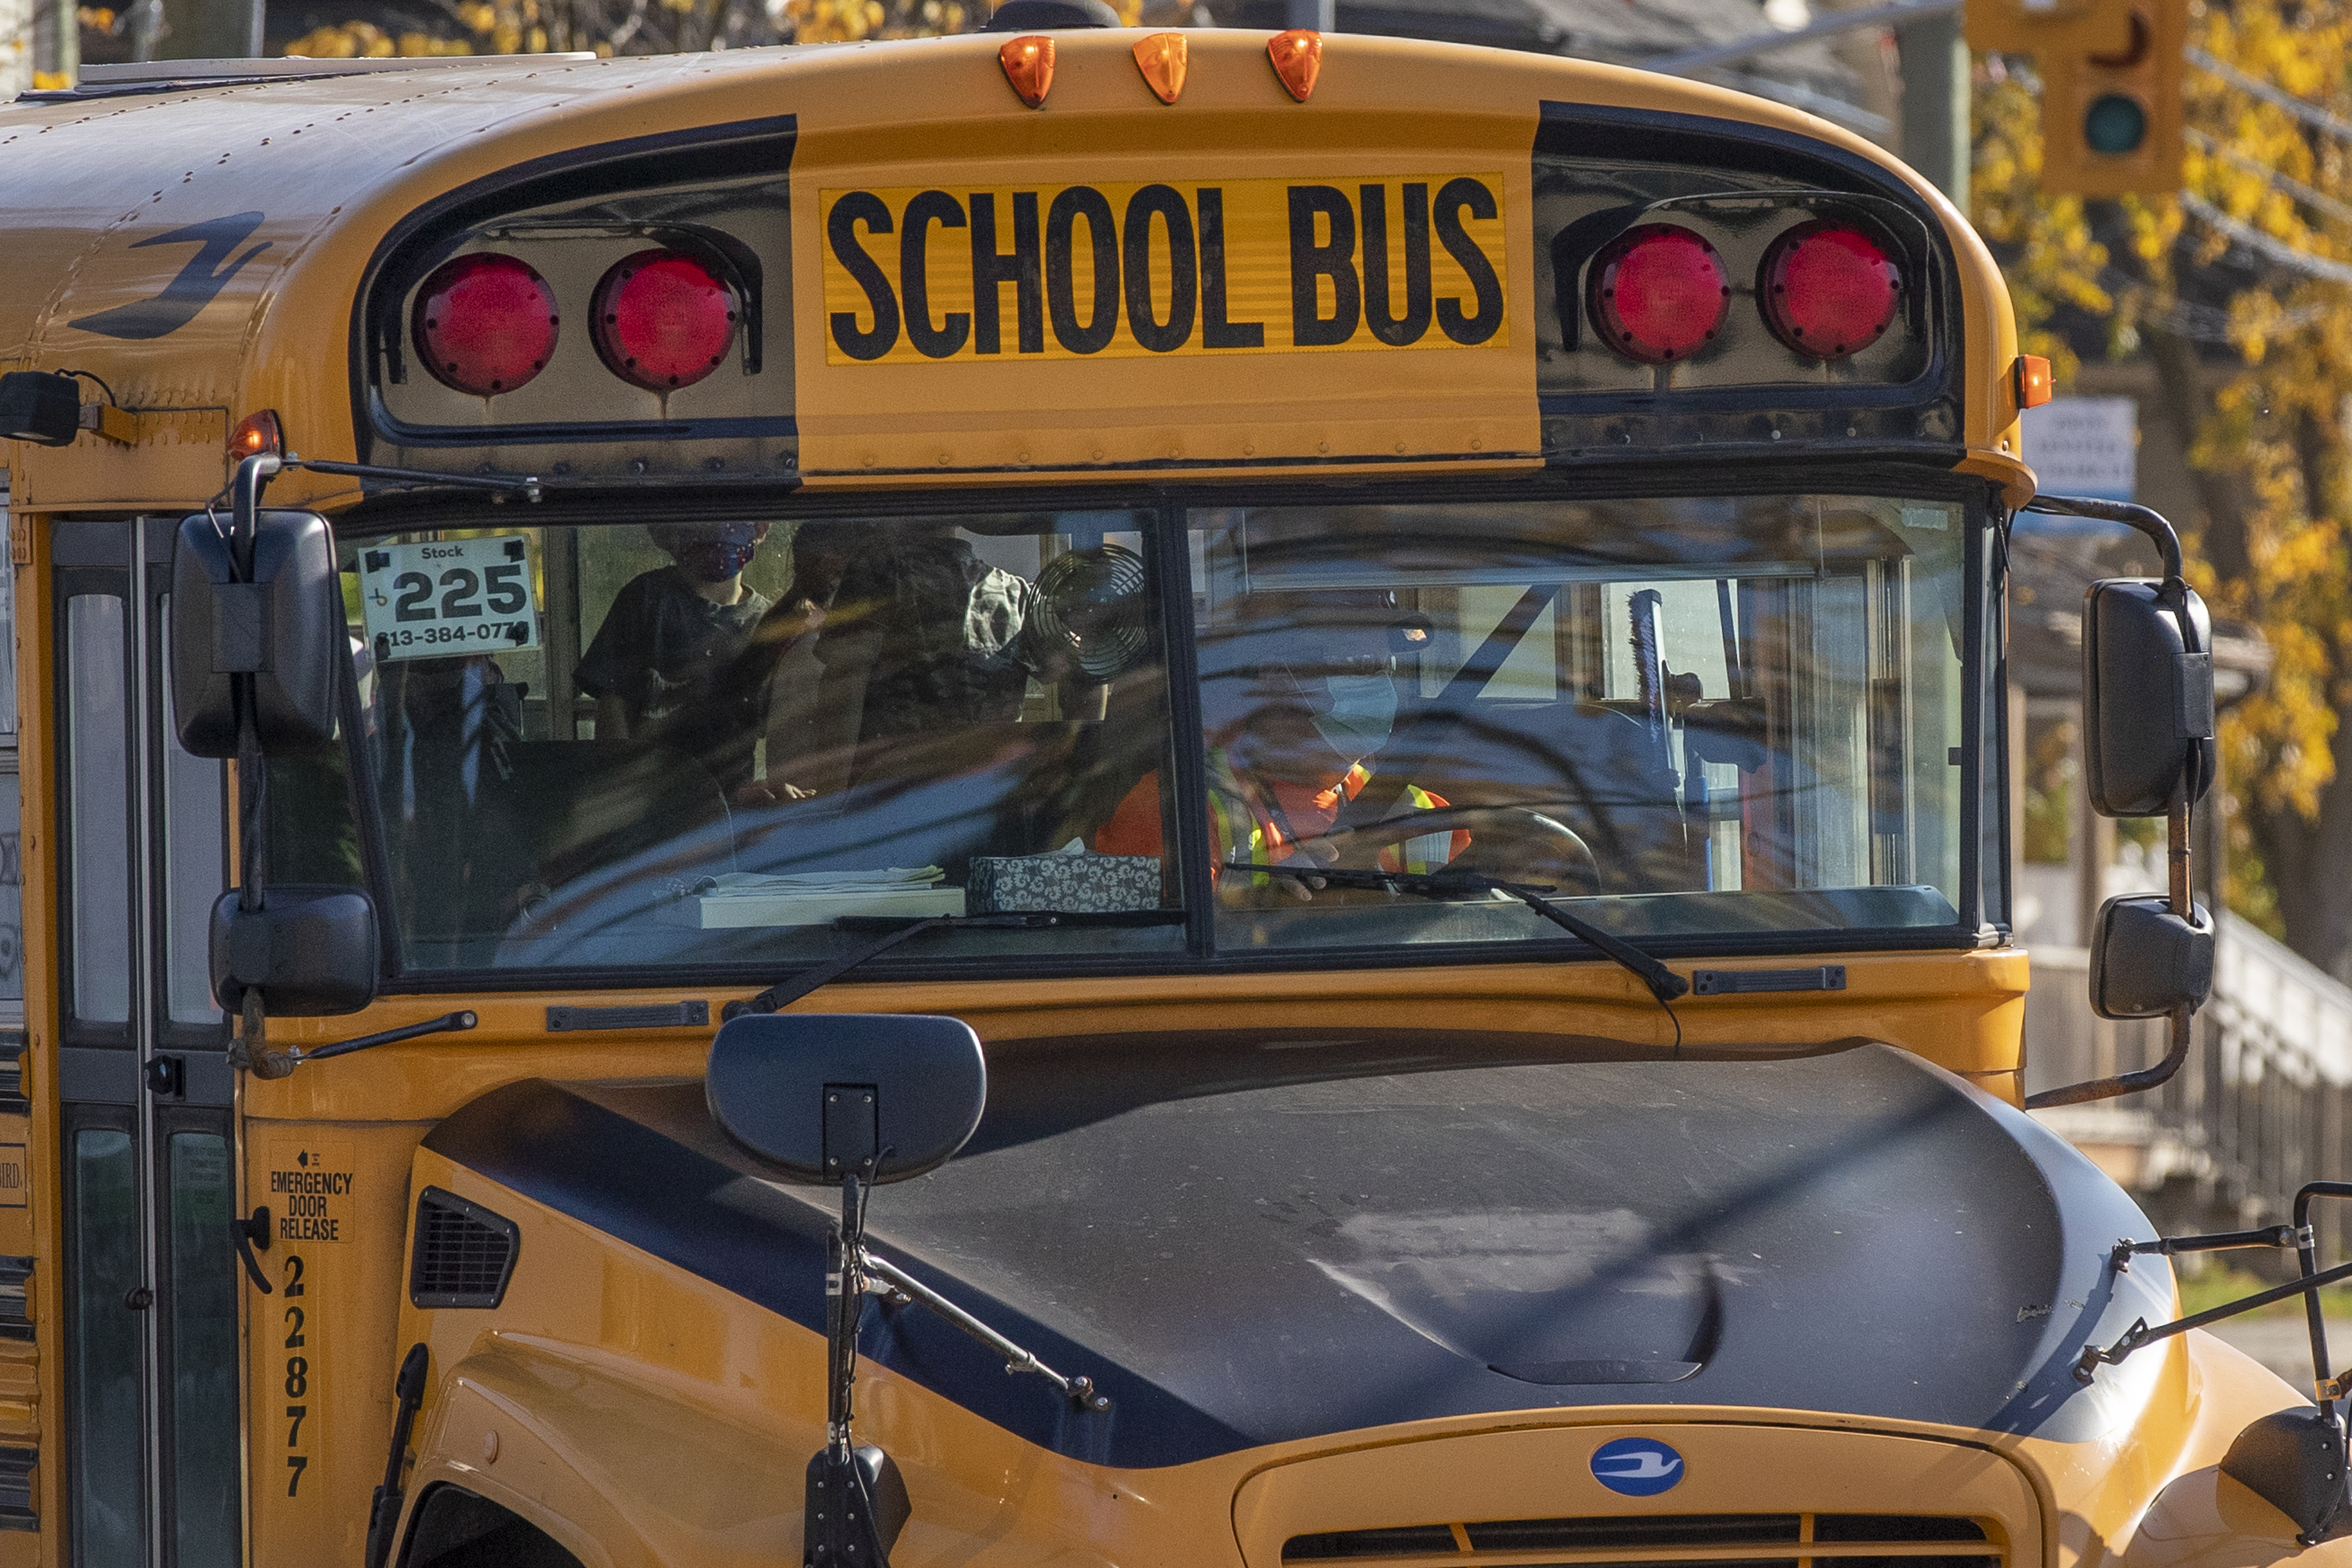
(1298, 698)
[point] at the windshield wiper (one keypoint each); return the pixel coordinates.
(896, 929)
(1664, 983)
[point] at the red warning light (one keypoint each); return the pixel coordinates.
(1658, 293)
(1827, 290)
(485, 324)
(663, 319)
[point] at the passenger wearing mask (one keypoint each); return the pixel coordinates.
(1297, 700)
(664, 665)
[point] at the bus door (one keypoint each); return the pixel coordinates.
(150, 1373)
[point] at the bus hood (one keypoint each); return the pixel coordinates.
(1245, 1241)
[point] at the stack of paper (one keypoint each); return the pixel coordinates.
(741, 898)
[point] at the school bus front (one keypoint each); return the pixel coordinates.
(1415, 644)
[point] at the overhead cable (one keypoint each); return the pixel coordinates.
(2317, 199)
(2310, 114)
(2268, 247)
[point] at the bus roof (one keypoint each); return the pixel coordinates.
(203, 250)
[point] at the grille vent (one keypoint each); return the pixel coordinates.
(1684, 1540)
(465, 1253)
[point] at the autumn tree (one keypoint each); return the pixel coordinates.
(2238, 293)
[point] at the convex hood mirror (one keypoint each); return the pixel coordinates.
(822, 1097)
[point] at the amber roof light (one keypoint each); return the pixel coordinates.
(1160, 59)
(1298, 57)
(1028, 62)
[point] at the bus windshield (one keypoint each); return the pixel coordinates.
(700, 742)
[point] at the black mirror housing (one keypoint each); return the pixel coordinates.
(39, 406)
(823, 1096)
(2294, 1460)
(2147, 699)
(2147, 961)
(285, 628)
(312, 952)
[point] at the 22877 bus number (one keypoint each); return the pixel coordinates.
(298, 1376)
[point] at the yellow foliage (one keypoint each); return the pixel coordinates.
(364, 40)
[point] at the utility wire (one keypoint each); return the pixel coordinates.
(2317, 199)
(2310, 114)
(2268, 247)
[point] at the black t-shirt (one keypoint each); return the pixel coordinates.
(666, 651)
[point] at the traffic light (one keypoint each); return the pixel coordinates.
(2048, 26)
(2111, 120)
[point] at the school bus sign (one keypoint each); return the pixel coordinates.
(1165, 268)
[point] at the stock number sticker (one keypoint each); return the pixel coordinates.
(453, 596)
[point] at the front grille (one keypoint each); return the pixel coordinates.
(465, 1253)
(1668, 1541)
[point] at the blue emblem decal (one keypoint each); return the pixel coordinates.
(1636, 1467)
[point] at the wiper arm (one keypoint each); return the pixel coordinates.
(896, 929)
(1664, 983)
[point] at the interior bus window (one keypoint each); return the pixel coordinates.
(1688, 715)
(704, 742)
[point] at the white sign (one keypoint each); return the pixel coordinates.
(458, 596)
(2085, 446)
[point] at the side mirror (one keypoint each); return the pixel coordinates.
(276, 625)
(309, 952)
(2147, 696)
(847, 1099)
(824, 1097)
(2148, 746)
(2148, 962)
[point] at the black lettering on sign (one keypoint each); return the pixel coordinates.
(1397, 332)
(1163, 203)
(914, 277)
(1061, 271)
(1312, 260)
(841, 227)
(309, 1210)
(1021, 266)
(1216, 331)
(1485, 317)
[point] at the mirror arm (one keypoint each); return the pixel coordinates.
(253, 474)
(269, 1064)
(2147, 521)
(2177, 1053)
(1080, 1391)
(528, 487)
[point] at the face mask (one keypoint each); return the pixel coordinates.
(716, 560)
(1363, 712)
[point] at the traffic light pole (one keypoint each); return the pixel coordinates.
(1936, 102)
(1935, 78)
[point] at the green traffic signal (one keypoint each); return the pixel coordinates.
(2114, 124)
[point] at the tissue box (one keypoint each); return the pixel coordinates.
(1075, 883)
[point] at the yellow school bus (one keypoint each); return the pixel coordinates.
(1411, 636)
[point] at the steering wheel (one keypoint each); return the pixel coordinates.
(1564, 858)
